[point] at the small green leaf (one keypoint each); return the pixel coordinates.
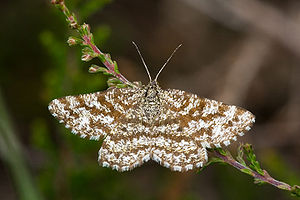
(72, 20)
(121, 85)
(247, 171)
(108, 59)
(286, 187)
(114, 82)
(251, 157)
(108, 56)
(88, 54)
(85, 28)
(102, 58)
(92, 38)
(67, 12)
(295, 191)
(258, 181)
(104, 70)
(212, 160)
(87, 50)
(73, 41)
(215, 160)
(116, 67)
(241, 155)
(94, 69)
(221, 151)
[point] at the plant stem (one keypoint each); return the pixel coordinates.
(11, 153)
(87, 41)
(107, 62)
(265, 178)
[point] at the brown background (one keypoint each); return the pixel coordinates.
(241, 52)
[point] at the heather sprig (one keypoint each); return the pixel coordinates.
(253, 169)
(89, 49)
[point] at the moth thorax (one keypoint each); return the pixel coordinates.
(151, 110)
(151, 103)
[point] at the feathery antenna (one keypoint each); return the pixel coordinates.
(166, 62)
(137, 48)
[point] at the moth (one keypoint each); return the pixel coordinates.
(143, 122)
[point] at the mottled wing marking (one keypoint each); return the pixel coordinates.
(110, 115)
(208, 122)
(179, 153)
(177, 138)
(189, 124)
(124, 153)
(94, 115)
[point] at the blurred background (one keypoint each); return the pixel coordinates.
(242, 52)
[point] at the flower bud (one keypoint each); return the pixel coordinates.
(86, 57)
(94, 69)
(72, 21)
(57, 1)
(73, 41)
(86, 27)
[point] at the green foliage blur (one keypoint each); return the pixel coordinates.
(37, 66)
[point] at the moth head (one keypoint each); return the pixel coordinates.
(152, 89)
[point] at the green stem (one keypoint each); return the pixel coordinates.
(11, 152)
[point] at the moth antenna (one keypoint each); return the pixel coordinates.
(138, 50)
(167, 62)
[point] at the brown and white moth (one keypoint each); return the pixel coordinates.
(143, 122)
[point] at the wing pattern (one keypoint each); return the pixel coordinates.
(110, 115)
(191, 124)
(187, 125)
